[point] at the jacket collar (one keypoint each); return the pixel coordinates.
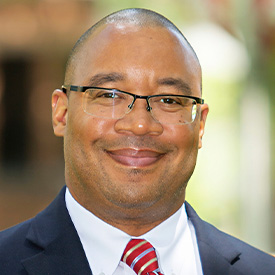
(218, 254)
(52, 230)
(59, 248)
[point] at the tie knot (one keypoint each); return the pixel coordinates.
(140, 255)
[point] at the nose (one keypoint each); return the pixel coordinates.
(139, 121)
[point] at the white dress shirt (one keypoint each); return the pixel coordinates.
(174, 240)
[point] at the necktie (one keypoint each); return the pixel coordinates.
(140, 255)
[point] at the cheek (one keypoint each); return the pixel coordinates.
(87, 129)
(185, 137)
(81, 132)
(82, 156)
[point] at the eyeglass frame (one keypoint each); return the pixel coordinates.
(82, 89)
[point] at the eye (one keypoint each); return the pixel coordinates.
(173, 100)
(169, 100)
(107, 94)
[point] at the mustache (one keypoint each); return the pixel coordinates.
(144, 142)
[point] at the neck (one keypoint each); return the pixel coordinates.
(133, 221)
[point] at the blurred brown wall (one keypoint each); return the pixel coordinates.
(35, 39)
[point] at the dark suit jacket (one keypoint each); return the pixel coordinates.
(49, 244)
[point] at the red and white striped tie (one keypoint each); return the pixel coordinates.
(140, 255)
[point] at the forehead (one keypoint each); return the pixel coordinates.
(122, 48)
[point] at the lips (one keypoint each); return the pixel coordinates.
(135, 157)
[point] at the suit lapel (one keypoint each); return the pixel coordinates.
(216, 251)
(214, 263)
(53, 236)
(58, 250)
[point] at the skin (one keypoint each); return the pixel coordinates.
(130, 172)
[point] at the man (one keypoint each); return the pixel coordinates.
(132, 118)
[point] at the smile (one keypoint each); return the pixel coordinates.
(135, 158)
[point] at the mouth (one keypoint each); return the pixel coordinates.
(135, 157)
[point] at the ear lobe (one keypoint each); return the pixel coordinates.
(59, 112)
(204, 112)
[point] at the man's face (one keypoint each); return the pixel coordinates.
(118, 167)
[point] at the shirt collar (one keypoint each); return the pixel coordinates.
(101, 242)
(164, 234)
(104, 243)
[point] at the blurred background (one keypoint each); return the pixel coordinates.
(233, 186)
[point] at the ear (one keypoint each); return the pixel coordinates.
(203, 116)
(59, 112)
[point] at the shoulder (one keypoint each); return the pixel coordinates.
(13, 246)
(11, 237)
(26, 239)
(250, 260)
(45, 219)
(240, 256)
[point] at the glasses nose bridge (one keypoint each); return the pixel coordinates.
(146, 97)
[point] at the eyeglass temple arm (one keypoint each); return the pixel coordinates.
(66, 88)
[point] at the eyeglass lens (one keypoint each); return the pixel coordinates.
(116, 104)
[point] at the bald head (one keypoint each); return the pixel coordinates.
(140, 18)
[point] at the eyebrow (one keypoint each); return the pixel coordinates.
(103, 78)
(178, 83)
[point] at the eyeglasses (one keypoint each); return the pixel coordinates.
(115, 104)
